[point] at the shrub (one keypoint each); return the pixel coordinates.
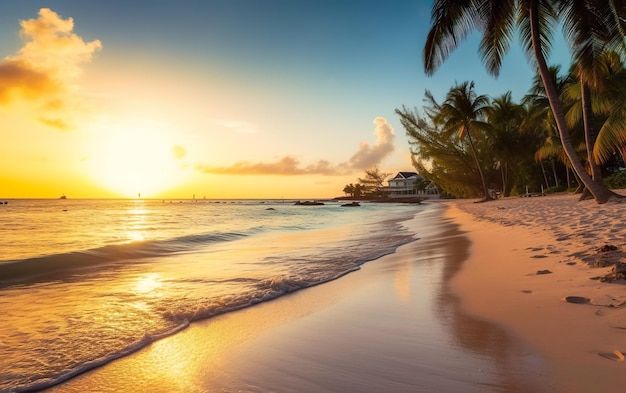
(616, 180)
(552, 190)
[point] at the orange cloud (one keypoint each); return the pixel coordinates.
(18, 80)
(286, 166)
(45, 69)
(370, 156)
(366, 157)
(53, 48)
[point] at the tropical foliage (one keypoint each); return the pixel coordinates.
(512, 147)
(374, 181)
(591, 27)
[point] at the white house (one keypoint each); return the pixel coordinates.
(403, 186)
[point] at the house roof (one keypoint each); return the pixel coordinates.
(405, 175)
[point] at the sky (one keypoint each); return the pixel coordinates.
(217, 98)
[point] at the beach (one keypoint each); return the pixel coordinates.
(477, 304)
(529, 256)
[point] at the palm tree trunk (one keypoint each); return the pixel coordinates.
(545, 177)
(590, 137)
(599, 192)
(505, 176)
(556, 179)
(480, 171)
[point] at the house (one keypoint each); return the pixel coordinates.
(403, 185)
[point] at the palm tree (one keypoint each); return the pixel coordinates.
(592, 27)
(349, 189)
(504, 118)
(541, 120)
(461, 112)
(453, 20)
(610, 103)
(607, 109)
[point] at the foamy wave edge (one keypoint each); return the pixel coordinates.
(280, 288)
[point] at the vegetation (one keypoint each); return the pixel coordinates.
(514, 147)
(616, 180)
(374, 182)
(370, 186)
(595, 32)
(591, 28)
(353, 190)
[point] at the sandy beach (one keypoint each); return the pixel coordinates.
(529, 255)
(477, 304)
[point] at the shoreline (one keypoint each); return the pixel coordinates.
(475, 304)
(529, 255)
(392, 325)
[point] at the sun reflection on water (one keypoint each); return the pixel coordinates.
(136, 222)
(135, 236)
(148, 283)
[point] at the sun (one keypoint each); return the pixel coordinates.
(137, 162)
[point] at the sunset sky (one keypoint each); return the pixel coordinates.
(216, 98)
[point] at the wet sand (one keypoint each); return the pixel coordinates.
(529, 256)
(395, 325)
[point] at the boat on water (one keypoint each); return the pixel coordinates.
(63, 197)
(351, 204)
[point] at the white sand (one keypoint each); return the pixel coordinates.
(515, 238)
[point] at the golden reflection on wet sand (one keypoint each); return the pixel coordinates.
(393, 326)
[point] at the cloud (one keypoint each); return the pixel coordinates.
(55, 123)
(52, 48)
(366, 157)
(370, 156)
(178, 152)
(238, 126)
(45, 69)
(286, 166)
(17, 78)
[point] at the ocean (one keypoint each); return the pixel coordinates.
(83, 282)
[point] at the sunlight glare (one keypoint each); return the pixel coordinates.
(137, 162)
(148, 283)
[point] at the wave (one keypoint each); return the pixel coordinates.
(48, 382)
(29, 269)
(305, 270)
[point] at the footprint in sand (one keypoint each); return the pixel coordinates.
(577, 299)
(616, 355)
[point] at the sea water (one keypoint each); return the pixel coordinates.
(83, 282)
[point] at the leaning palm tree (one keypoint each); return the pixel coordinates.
(591, 27)
(453, 20)
(461, 112)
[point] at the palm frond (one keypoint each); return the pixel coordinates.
(451, 22)
(499, 19)
(589, 27)
(547, 18)
(612, 136)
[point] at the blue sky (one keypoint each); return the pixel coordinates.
(265, 98)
